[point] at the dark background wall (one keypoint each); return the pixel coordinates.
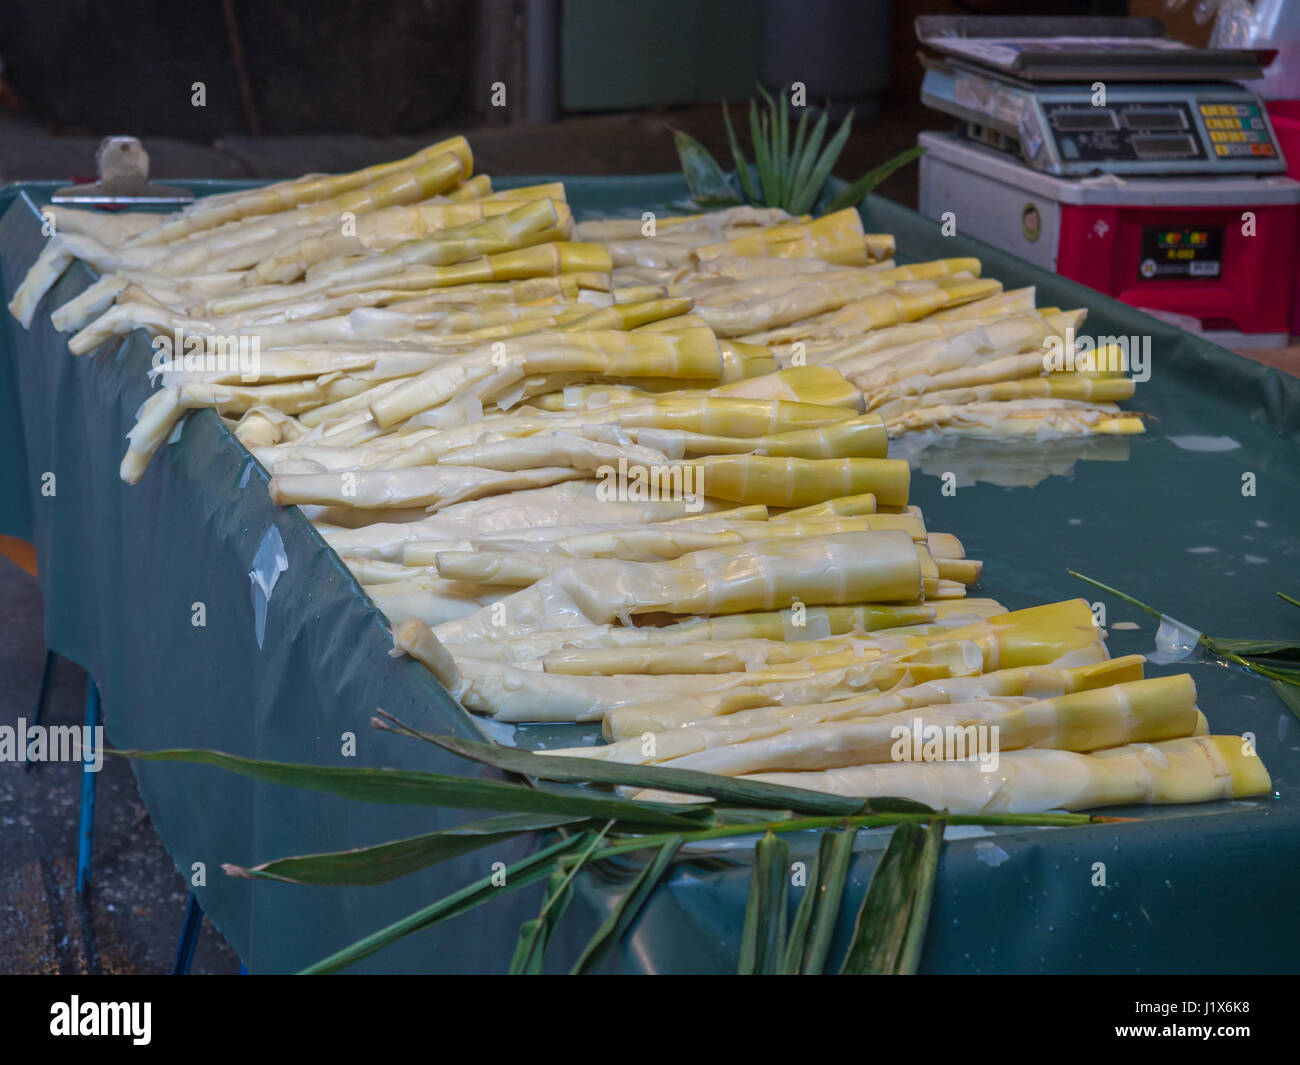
(385, 67)
(363, 66)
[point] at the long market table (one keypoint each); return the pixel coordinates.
(1163, 516)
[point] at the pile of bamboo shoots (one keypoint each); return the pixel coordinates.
(636, 472)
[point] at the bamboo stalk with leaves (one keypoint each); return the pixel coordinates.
(591, 826)
(1276, 660)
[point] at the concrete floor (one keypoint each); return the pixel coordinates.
(131, 917)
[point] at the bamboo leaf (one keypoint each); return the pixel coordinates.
(1293, 602)
(857, 192)
(884, 932)
(762, 943)
(814, 925)
(887, 805)
(918, 919)
(1284, 649)
(796, 152)
(528, 871)
(805, 165)
(797, 939)
(527, 958)
(1277, 670)
(777, 157)
(686, 781)
(770, 176)
(807, 195)
(403, 787)
(535, 935)
(1144, 607)
(784, 149)
(615, 926)
(742, 167)
(388, 861)
(705, 179)
(1289, 694)
(760, 151)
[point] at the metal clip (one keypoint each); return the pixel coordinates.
(123, 178)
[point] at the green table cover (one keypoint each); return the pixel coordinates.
(1162, 516)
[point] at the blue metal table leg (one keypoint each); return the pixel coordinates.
(47, 674)
(189, 937)
(86, 828)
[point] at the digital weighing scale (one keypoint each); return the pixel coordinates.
(1102, 150)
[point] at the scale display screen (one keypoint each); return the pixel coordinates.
(1165, 146)
(1075, 121)
(1181, 251)
(1125, 131)
(1146, 118)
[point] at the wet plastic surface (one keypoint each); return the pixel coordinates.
(1161, 516)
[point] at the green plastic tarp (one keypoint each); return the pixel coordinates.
(1198, 517)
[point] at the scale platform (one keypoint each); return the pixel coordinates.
(1077, 96)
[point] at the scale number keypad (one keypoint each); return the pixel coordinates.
(1237, 130)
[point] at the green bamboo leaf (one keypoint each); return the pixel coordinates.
(615, 926)
(388, 861)
(528, 871)
(804, 167)
(884, 925)
(739, 815)
(797, 939)
(760, 151)
(777, 158)
(527, 958)
(857, 192)
(807, 195)
(918, 919)
(742, 167)
(784, 152)
(882, 918)
(705, 179)
(887, 805)
(762, 943)
(1289, 694)
(686, 781)
(1287, 674)
(530, 948)
(535, 935)
(772, 180)
(810, 938)
(1144, 607)
(403, 787)
(1284, 649)
(796, 152)
(1293, 602)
